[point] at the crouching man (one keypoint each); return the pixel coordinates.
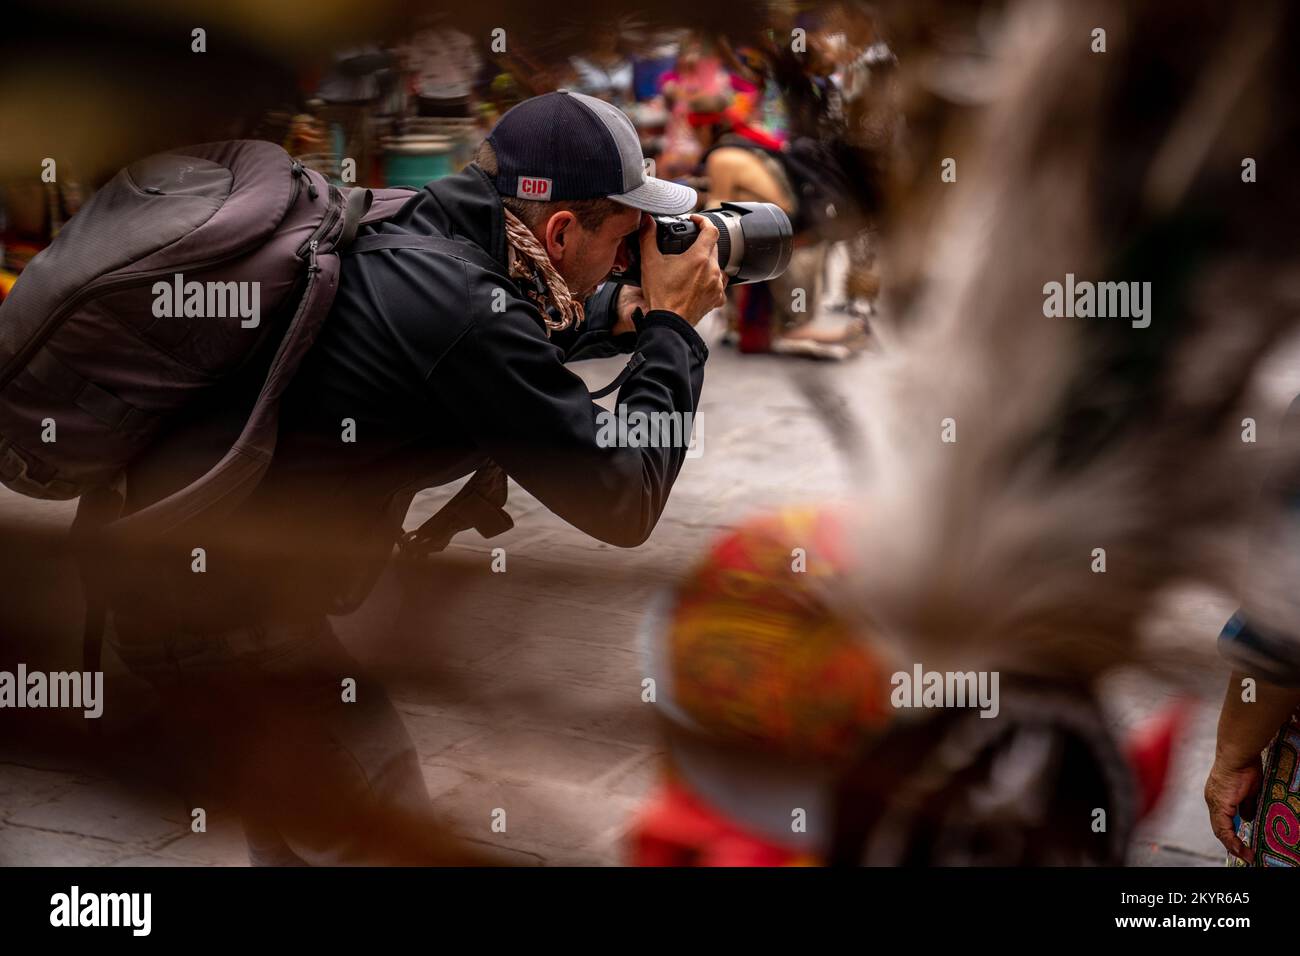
(438, 359)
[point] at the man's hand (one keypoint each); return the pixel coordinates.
(690, 284)
(630, 298)
(1232, 791)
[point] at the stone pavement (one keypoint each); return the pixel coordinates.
(522, 690)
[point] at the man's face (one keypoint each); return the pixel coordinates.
(585, 257)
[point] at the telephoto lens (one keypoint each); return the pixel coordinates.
(754, 241)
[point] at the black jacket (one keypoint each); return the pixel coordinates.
(434, 383)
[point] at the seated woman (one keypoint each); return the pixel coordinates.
(814, 176)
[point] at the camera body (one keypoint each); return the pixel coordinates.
(754, 241)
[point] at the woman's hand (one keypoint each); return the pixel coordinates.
(1232, 791)
(1247, 723)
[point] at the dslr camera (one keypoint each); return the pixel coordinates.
(754, 241)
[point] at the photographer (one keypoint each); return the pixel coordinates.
(433, 364)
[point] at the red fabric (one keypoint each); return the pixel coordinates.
(1149, 750)
(675, 828)
(736, 124)
(751, 133)
(703, 119)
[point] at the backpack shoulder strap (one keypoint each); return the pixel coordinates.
(448, 247)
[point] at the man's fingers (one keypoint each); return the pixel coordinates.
(708, 233)
(646, 236)
(629, 297)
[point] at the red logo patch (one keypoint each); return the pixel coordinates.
(534, 187)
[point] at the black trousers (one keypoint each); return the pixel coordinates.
(323, 773)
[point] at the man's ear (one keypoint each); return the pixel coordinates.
(560, 231)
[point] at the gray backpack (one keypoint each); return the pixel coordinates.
(170, 279)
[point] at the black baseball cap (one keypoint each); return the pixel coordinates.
(569, 146)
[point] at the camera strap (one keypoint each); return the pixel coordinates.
(634, 363)
(478, 505)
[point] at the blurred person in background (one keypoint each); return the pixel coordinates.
(604, 72)
(444, 64)
(808, 168)
(697, 77)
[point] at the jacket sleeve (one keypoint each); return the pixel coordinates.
(506, 384)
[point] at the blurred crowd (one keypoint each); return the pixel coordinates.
(760, 118)
(756, 120)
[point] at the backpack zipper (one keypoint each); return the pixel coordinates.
(331, 216)
(300, 174)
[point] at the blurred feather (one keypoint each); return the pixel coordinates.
(1078, 434)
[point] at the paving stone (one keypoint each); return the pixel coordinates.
(1152, 854)
(157, 859)
(521, 755)
(109, 811)
(440, 778)
(509, 856)
(22, 787)
(222, 844)
(555, 617)
(567, 662)
(538, 816)
(581, 858)
(599, 714)
(638, 778)
(613, 845)
(433, 734)
(23, 846)
(457, 691)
